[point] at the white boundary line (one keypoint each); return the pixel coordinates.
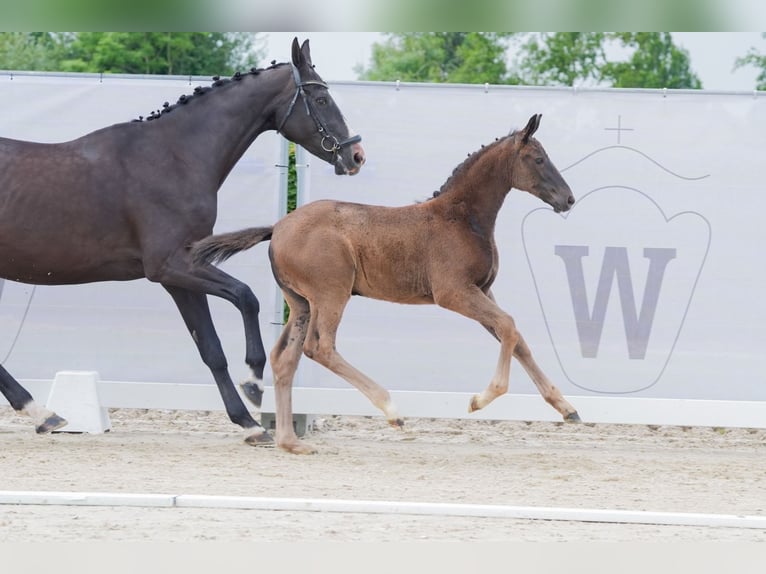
(380, 507)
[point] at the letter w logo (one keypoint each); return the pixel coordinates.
(638, 324)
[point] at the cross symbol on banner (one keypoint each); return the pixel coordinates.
(619, 129)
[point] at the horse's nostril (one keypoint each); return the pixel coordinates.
(571, 200)
(358, 158)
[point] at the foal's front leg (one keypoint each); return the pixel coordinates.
(480, 306)
(547, 390)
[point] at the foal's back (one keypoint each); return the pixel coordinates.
(374, 251)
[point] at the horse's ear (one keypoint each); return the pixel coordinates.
(532, 125)
(306, 51)
(297, 56)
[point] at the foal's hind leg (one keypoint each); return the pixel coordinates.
(284, 362)
(196, 314)
(22, 402)
(326, 313)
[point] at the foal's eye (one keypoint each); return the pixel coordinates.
(322, 101)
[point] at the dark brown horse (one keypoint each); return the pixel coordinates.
(126, 201)
(440, 251)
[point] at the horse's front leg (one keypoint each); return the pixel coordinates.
(196, 314)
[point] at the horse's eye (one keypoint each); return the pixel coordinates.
(322, 101)
(539, 160)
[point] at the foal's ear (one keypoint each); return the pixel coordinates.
(532, 125)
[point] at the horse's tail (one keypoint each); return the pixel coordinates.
(217, 248)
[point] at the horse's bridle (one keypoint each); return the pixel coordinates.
(329, 142)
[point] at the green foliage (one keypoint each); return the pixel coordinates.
(540, 59)
(656, 63)
(561, 58)
(292, 202)
(455, 57)
(754, 58)
(180, 53)
(28, 51)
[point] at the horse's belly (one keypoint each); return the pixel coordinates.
(54, 267)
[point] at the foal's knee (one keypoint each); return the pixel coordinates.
(317, 350)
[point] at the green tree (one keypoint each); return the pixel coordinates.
(29, 50)
(182, 53)
(455, 57)
(754, 58)
(656, 62)
(561, 58)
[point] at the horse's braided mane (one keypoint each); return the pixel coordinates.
(201, 91)
(467, 163)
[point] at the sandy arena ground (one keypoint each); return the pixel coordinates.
(671, 469)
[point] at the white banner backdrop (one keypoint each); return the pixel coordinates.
(128, 331)
(642, 303)
(651, 286)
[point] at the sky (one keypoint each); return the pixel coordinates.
(712, 54)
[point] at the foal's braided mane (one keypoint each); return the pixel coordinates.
(201, 91)
(467, 163)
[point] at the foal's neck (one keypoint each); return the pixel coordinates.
(477, 192)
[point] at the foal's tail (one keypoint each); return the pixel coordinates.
(217, 248)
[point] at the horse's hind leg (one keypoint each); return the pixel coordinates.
(548, 390)
(22, 402)
(326, 313)
(284, 362)
(196, 314)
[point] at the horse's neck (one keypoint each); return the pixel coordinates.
(223, 125)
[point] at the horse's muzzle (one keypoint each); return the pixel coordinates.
(350, 160)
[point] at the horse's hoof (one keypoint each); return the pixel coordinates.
(474, 404)
(398, 423)
(260, 439)
(573, 417)
(50, 424)
(253, 392)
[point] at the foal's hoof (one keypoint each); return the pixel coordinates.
(260, 439)
(298, 447)
(50, 424)
(573, 417)
(253, 392)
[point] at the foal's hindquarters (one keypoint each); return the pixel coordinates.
(316, 273)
